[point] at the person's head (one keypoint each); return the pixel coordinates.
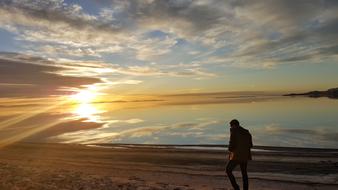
(234, 123)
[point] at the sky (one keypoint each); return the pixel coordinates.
(170, 71)
(56, 47)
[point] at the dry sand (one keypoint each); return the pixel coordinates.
(68, 166)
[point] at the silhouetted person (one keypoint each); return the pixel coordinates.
(239, 153)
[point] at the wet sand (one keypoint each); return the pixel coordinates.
(70, 166)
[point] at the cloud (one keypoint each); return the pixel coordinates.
(259, 34)
(27, 76)
(32, 12)
(123, 23)
(178, 71)
(282, 32)
(55, 28)
(245, 33)
(153, 48)
(39, 77)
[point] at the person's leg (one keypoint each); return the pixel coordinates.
(245, 175)
(230, 167)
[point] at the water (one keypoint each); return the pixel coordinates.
(273, 121)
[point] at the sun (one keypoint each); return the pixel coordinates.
(84, 106)
(84, 96)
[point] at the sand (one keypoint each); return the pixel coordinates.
(69, 166)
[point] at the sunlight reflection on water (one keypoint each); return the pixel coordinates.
(276, 122)
(88, 111)
(296, 122)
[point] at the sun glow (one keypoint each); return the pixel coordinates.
(84, 96)
(84, 107)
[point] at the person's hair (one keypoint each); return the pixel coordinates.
(234, 122)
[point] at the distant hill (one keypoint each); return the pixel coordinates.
(330, 93)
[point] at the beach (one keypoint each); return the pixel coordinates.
(122, 166)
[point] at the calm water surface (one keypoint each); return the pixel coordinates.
(277, 121)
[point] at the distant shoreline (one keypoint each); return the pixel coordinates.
(330, 93)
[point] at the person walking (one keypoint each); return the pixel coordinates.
(240, 145)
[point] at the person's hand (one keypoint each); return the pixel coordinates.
(231, 155)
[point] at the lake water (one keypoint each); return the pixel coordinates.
(273, 121)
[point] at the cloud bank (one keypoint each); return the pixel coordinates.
(241, 33)
(26, 76)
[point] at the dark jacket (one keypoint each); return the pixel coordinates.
(240, 144)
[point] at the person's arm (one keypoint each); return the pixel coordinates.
(232, 141)
(251, 145)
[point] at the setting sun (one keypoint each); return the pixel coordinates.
(84, 107)
(84, 96)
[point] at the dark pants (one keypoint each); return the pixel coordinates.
(230, 167)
